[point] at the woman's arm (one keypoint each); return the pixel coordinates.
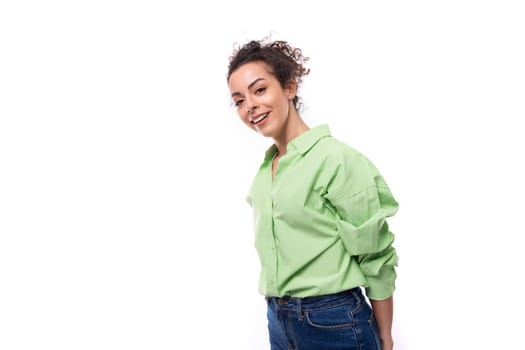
(383, 312)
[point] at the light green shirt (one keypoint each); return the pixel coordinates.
(320, 225)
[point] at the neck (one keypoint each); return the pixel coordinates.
(294, 127)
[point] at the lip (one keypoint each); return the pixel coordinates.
(255, 117)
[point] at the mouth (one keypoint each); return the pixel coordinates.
(260, 118)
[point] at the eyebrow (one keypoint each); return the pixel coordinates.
(249, 86)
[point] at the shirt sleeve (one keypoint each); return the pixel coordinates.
(362, 201)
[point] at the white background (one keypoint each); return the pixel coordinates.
(123, 166)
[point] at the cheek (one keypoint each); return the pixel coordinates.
(281, 102)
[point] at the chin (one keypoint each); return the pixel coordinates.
(266, 133)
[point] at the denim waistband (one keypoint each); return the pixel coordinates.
(322, 301)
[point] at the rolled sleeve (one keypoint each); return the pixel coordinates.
(363, 228)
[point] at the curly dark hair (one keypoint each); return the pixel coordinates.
(285, 62)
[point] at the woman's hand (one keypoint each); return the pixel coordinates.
(387, 344)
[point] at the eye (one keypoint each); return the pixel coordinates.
(260, 90)
(238, 103)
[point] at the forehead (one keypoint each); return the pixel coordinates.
(247, 73)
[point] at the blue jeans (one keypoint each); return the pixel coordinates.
(342, 321)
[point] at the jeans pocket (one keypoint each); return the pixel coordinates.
(333, 318)
(375, 330)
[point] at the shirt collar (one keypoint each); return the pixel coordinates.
(304, 142)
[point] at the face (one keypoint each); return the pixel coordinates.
(261, 102)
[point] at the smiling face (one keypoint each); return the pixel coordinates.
(261, 102)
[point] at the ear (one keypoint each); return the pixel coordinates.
(291, 89)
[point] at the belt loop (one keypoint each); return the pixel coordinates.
(356, 292)
(299, 310)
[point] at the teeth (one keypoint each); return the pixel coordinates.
(260, 118)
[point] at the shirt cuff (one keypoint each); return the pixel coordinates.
(382, 285)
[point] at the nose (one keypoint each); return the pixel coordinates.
(251, 105)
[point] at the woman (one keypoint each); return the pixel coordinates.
(319, 214)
